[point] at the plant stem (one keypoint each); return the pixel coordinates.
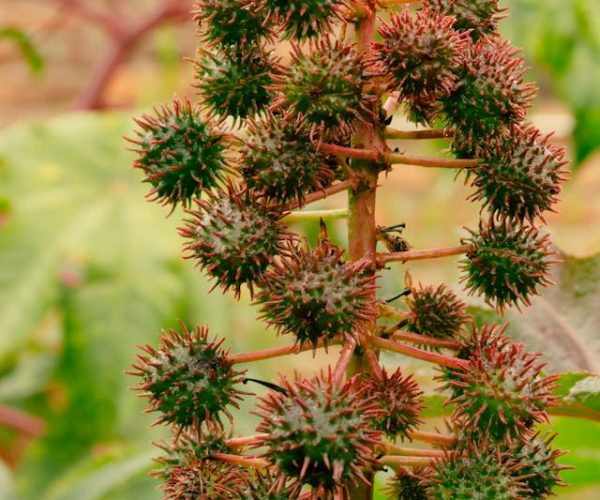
(245, 441)
(319, 195)
(23, 422)
(444, 133)
(275, 352)
(309, 215)
(344, 360)
(255, 462)
(433, 437)
(396, 461)
(394, 449)
(429, 253)
(413, 352)
(417, 338)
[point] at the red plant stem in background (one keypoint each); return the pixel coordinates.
(344, 359)
(430, 253)
(245, 441)
(255, 462)
(413, 352)
(275, 352)
(433, 437)
(319, 195)
(394, 449)
(417, 338)
(396, 461)
(23, 422)
(444, 133)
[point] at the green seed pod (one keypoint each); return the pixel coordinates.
(231, 22)
(520, 174)
(420, 53)
(280, 161)
(179, 152)
(315, 296)
(476, 471)
(188, 379)
(234, 237)
(318, 433)
(409, 485)
(399, 398)
(478, 17)
(540, 468)
(490, 94)
(205, 479)
(502, 393)
(302, 19)
(506, 263)
(234, 82)
(436, 312)
(325, 86)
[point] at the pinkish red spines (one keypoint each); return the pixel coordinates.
(503, 391)
(491, 94)
(234, 237)
(188, 379)
(520, 174)
(315, 296)
(419, 56)
(179, 151)
(436, 312)
(268, 485)
(479, 18)
(324, 86)
(319, 433)
(409, 484)
(507, 263)
(280, 161)
(399, 397)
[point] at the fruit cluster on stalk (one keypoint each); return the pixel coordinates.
(271, 134)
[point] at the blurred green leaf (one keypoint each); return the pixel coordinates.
(7, 485)
(25, 44)
(579, 395)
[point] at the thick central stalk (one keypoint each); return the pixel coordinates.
(362, 228)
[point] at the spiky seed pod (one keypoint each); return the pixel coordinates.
(315, 296)
(188, 379)
(520, 174)
(205, 479)
(280, 161)
(180, 152)
(234, 237)
(477, 470)
(478, 17)
(502, 393)
(325, 86)
(398, 396)
(422, 110)
(266, 485)
(319, 432)
(540, 468)
(234, 82)
(506, 263)
(302, 19)
(436, 312)
(420, 53)
(231, 22)
(409, 485)
(491, 94)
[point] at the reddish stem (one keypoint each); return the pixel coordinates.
(255, 462)
(413, 352)
(319, 195)
(344, 359)
(396, 461)
(108, 22)
(394, 449)
(417, 338)
(23, 422)
(444, 133)
(429, 253)
(433, 437)
(245, 441)
(275, 352)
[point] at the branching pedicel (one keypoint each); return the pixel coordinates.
(316, 125)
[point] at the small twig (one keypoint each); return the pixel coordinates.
(344, 359)
(319, 195)
(417, 338)
(394, 449)
(430, 253)
(444, 133)
(240, 442)
(275, 352)
(396, 461)
(110, 23)
(433, 437)
(23, 422)
(309, 215)
(250, 461)
(413, 352)
(387, 311)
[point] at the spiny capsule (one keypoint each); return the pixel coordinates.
(502, 392)
(419, 55)
(436, 312)
(280, 161)
(319, 433)
(477, 17)
(234, 237)
(301, 19)
(267, 485)
(188, 379)
(231, 22)
(315, 296)
(180, 152)
(490, 94)
(477, 470)
(325, 87)
(235, 82)
(398, 396)
(409, 485)
(506, 263)
(520, 174)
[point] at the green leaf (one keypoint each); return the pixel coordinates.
(25, 44)
(579, 395)
(7, 484)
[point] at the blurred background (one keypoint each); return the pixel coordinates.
(88, 269)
